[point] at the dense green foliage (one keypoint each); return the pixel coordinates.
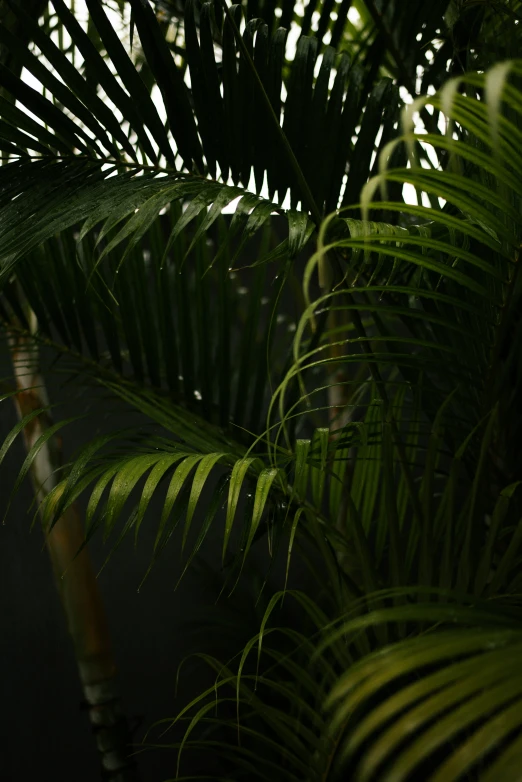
(333, 370)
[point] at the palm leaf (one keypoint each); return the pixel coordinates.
(258, 74)
(455, 689)
(450, 282)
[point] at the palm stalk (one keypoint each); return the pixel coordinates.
(73, 570)
(72, 567)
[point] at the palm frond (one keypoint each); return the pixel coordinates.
(267, 702)
(140, 322)
(390, 412)
(454, 693)
(433, 299)
(236, 98)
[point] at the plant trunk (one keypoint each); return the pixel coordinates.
(74, 575)
(75, 578)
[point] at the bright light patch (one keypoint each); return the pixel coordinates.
(291, 41)
(405, 95)
(231, 207)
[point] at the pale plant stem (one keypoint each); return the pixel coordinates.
(74, 575)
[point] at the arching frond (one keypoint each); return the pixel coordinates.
(228, 126)
(390, 457)
(453, 693)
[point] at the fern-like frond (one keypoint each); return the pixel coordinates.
(455, 692)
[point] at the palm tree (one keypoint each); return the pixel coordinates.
(343, 381)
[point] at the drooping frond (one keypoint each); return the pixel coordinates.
(417, 320)
(392, 444)
(231, 127)
(434, 301)
(454, 692)
(265, 708)
(439, 704)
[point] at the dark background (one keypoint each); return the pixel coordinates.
(45, 734)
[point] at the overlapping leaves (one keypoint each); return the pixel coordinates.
(438, 298)
(455, 693)
(409, 488)
(417, 318)
(230, 122)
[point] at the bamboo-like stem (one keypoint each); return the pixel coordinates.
(74, 576)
